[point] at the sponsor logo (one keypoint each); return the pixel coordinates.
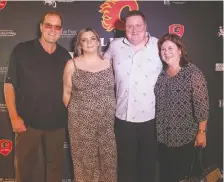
(111, 10)
(68, 33)
(7, 33)
(53, 2)
(5, 147)
(221, 32)
(66, 145)
(219, 67)
(50, 3)
(67, 180)
(173, 2)
(2, 4)
(7, 180)
(221, 103)
(3, 107)
(3, 70)
(166, 2)
(176, 29)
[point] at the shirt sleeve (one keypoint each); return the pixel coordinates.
(68, 57)
(11, 76)
(200, 96)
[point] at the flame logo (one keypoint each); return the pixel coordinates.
(112, 9)
(2, 4)
(5, 147)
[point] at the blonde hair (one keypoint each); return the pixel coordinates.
(78, 50)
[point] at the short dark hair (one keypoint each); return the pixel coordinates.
(176, 39)
(134, 13)
(50, 13)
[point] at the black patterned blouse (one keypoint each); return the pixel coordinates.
(181, 103)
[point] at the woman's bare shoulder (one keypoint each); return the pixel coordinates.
(69, 67)
(71, 62)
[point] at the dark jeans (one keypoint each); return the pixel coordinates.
(26, 153)
(175, 162)
(136, 147)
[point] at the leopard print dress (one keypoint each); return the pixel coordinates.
(91, 113)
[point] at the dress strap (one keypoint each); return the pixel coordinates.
(74, 62)
(75, 68)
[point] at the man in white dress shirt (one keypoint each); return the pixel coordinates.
(136, 65)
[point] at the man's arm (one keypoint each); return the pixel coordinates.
(10, 93)
(16, 120)
(67, 81)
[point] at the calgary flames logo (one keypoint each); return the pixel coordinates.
(5, 147)
(176, 29)
(112, 9)
(2, 4)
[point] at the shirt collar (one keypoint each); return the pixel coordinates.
(40, 48)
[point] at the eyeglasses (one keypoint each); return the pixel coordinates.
(49, 26)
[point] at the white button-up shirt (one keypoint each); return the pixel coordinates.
(136, 74)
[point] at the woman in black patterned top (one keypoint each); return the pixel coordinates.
(181, 111)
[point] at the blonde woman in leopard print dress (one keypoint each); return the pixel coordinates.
(89, 96)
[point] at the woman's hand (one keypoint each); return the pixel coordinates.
(200, 139)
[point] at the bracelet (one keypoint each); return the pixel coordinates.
(201, 131)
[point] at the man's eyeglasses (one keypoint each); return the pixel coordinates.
(49, 26)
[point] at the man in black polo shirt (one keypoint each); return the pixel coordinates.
(33, 94)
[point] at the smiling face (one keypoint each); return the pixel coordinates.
(135, 28)
(89, 42)
(170, 53)
(51, 28)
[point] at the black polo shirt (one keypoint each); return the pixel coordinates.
(37, 78)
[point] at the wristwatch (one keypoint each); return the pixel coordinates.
(201, 131)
